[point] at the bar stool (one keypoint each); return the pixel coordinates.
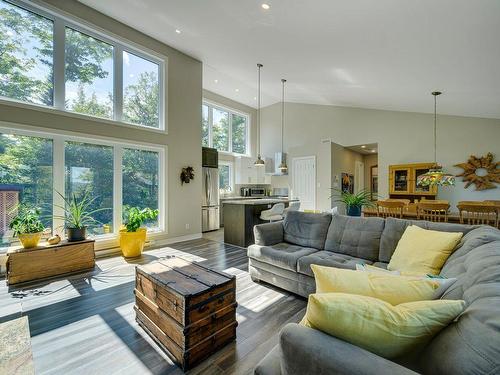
(275, 213)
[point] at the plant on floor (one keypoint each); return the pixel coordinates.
(133, 237)
(27, 225)
(78, 214)
(353, 202)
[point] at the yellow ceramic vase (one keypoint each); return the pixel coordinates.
(132, 243)
(30, 240)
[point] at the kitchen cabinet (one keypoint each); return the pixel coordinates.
(246, 173)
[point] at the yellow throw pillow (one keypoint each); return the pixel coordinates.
(377, 326)
(422, 251)
(393, 289)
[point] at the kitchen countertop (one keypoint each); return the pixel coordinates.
(255, 202)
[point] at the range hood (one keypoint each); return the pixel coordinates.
(274, 170)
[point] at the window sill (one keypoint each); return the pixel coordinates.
(80, 116)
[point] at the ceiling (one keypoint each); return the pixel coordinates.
(384, 54)
(365, 149)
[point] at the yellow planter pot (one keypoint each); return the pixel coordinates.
(30, 240)
(132, 243)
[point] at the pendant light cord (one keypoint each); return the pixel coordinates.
(258, 111)
(435, 129)
(282, 114)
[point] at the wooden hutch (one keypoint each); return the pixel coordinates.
(403, 182)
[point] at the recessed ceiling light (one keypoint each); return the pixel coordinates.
(265, 6)
(216, 80)
(177, 31)
(374, 150)
(363, 146)
(237, 90)
(254, 98)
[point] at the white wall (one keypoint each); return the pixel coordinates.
(402, 137)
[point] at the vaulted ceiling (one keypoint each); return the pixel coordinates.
(384, 54)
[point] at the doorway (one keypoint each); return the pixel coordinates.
(304, 181)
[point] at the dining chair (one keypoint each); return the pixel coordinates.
(275, 213)
(478, 213)
(391, 208)
(433, 211)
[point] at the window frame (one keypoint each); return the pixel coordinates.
(231, 111)
(58, 175)
(61, 21)
(230, 164)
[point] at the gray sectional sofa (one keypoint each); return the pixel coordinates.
(282, 256)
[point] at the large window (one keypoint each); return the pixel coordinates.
(26, 50)
(88, 75)
(115, 175)
(224, 129)
(89, 170)
(140, 170)
(25, 177)
(48, 60)
(226, 185)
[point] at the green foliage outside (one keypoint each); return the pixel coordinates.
(135, 217)
(220, 131)
(27, 220)
(26, 52)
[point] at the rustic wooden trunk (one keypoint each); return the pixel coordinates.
(48, 261)
(189, 309)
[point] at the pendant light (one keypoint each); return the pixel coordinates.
(435, 176)
(282, 167)
(259, 162)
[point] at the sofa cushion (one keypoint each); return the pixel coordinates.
(472, 342)
(328, 258)
(306, 229)
(394, 229)
(283, 255)
(355, 236)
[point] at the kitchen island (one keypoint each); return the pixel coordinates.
(240, 216)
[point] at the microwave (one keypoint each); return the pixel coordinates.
(257, 192)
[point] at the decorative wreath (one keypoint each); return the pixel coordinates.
(187, 174)
(482, 182)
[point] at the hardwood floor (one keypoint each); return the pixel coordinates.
(85, 324)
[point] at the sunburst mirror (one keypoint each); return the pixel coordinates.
(484, 172)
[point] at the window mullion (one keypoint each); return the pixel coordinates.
(59, 184)
(230, 131)
(210, 124)
(59, 64)
(118, 82)
(117, 188)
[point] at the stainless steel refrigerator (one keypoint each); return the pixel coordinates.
(210, 199)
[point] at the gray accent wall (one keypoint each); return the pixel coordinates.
(402, 137)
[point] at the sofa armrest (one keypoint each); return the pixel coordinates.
(308, 351)
(268, 234)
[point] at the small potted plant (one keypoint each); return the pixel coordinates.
(354, 202)
(133, 237)
(27, 226)
(78, 215)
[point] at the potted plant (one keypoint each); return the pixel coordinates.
(354, 202)
(27, 226)
(133, 237)
(78, 215)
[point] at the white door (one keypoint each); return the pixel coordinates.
(359, 176)
(304, 181)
